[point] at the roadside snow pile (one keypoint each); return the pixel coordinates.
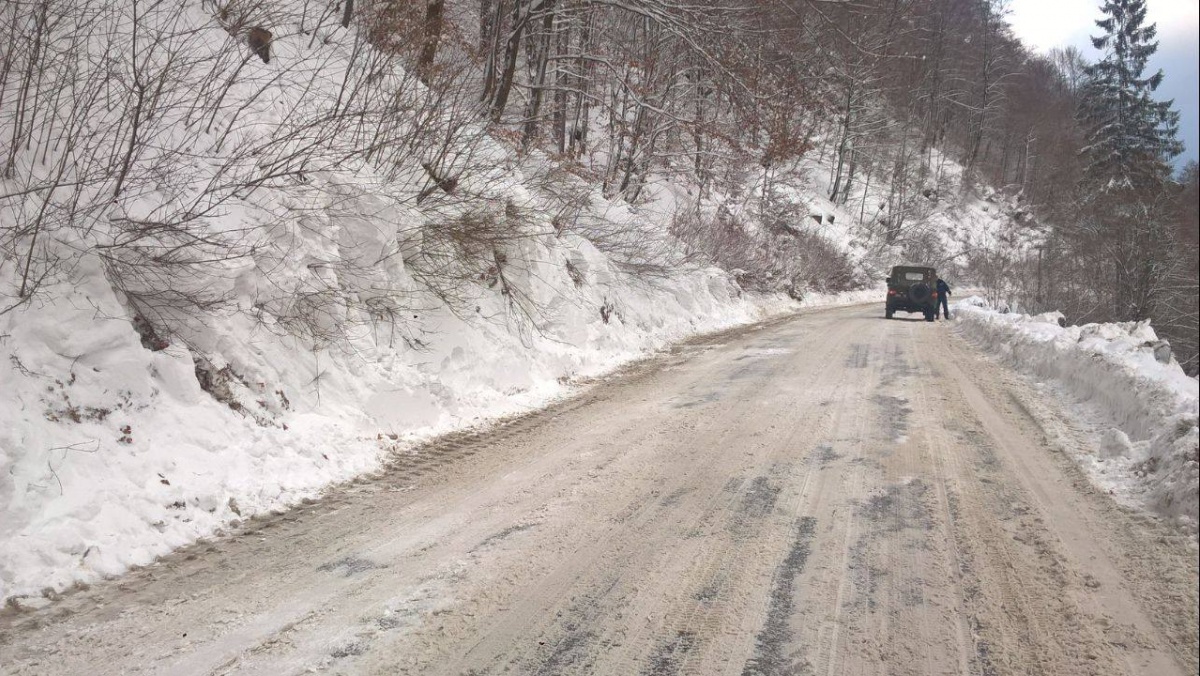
(1124, 371)
(113, 453)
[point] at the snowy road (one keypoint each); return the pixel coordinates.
(827, 494)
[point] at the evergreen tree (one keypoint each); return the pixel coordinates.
(1131, 137)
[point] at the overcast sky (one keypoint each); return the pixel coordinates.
(1044, 24)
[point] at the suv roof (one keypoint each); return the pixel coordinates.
(908, 274)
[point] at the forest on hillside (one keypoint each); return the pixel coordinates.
(130, 128)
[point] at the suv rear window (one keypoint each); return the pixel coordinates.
(914, 276)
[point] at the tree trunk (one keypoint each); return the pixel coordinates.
(512, 49)
(430, 37)
(491, 14)
(539, 62)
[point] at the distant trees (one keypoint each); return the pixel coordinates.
(1130, 136)
(1126, 234)
(1178, 311)
(1099, 197)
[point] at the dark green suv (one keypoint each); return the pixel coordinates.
(912, 289)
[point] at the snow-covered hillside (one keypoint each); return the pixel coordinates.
(113, 453)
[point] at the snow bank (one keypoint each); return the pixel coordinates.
(112, 454)
(1127, 374)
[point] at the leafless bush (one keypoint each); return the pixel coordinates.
(461, 254)
(785, 256)
(134, 133)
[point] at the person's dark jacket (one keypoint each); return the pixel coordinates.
(943, 288)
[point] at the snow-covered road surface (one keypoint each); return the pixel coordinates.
(831, 493)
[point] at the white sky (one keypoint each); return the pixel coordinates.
(1043, 24)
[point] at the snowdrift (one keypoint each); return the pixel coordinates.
(112, 454)
(1123, 371)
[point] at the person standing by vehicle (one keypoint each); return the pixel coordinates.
(943, 290)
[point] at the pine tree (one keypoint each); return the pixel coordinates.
(1132, 137)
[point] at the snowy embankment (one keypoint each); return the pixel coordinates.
(1128, 375)
(113, 454)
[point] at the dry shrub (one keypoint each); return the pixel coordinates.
(467, 250)
(395, 27)
(779, 257)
